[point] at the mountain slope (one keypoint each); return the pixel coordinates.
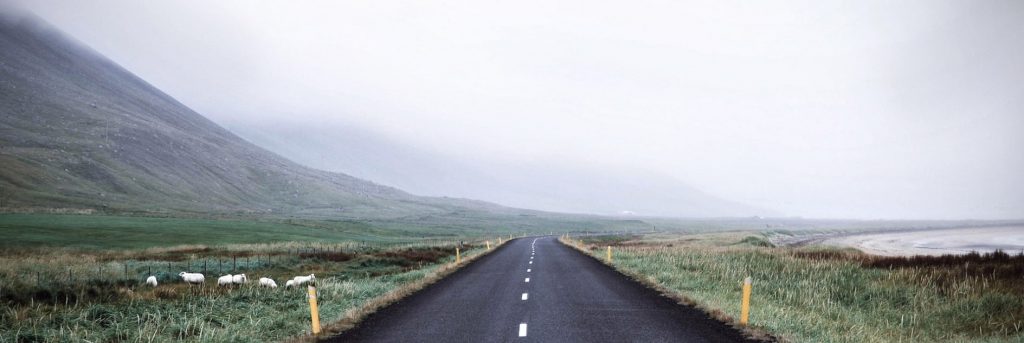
(79, 131)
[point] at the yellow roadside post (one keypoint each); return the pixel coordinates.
(609, 254)
(458, 257)
(745, 307)
(488, 245)
(313, 311)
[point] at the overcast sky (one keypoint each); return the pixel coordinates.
(854, 109)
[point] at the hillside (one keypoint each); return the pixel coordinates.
(78, 131)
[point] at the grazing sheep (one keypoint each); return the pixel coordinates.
(300, 280)
(239, 279)
(151, 280)
(268, 282)
(289, 284)
(192, 278)
(225, 280)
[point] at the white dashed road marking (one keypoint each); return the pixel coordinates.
(522, 330)
(527, 270)
(527, 279)
(525, 296)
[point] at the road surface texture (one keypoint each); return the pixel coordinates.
(538, 290)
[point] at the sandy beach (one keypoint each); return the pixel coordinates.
(936, 242)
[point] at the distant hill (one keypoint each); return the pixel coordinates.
(79, 131)
(561, 187)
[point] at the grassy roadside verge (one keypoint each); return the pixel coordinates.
(825, 295)
(107, 308)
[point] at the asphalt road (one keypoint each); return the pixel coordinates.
(562, 296)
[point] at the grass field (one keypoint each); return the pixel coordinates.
(125, 232)
(84, 295)
(816, 294)
(137, 232)
(79, 277)
(95, 231)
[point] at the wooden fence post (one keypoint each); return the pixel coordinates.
(745, 306)
(314, 312)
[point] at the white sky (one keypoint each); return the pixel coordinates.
(862, 109)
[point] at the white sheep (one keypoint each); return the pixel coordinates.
(192, 278)
(289, 284)
(300, 280)
(268, 282)
(225, 280)
(151, 280)
(239, 279)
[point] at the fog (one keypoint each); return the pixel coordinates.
(860, 109)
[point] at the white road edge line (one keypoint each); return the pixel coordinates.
(522, 330)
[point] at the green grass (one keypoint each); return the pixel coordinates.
(756, 241)
(96, 231)
(78, 278)
(827, 295)
(135, 232)
(107, 307)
